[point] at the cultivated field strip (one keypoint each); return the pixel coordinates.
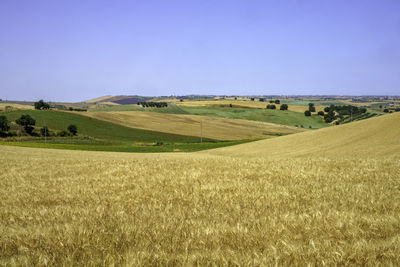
(214, 128)
(94, 208)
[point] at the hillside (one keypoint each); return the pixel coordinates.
(375, 137)
(213, 128)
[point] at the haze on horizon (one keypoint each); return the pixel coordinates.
(76, 50)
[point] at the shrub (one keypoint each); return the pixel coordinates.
(4, 124)
(63, 133)
(230, 105)
(321, 113)
(326, 109)
(73, 129)
(261, 99)
(284, 107)
(27, 122)
(307, 113)
(386, 110)
(44, 131)
(277, 101)
(271, 101)
(397, 109)
(252, 99)
(271, 107)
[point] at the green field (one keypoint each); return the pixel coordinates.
(171, 109)
(290, 118)
(99, 135)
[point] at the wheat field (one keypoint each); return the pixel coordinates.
(214, 128)
(214, 208)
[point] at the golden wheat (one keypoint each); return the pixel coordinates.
(96, 208)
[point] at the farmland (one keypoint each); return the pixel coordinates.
(100, 135)
(318, 197)
(212, 127)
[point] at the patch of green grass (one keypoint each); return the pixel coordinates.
(58, 120)
(126, 147)
(171, 109)
(290, 118)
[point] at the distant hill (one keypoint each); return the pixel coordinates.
(375, 137)
(121, 99)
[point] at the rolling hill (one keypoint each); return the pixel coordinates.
(213, 128)
(375, 137)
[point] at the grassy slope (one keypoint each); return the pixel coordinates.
(290, 118)
(377, 136)
(215, 128)
(108, 136)
(96, 128)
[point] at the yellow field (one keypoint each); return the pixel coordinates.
(375, 137)
(243, 104)
(214, 128)
(15, 106)
(98, 99)
(334, 208)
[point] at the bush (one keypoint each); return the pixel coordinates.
(397, 109)
(27, 122)
(327, 109)
(277, 101)
(73, 129)
(4, 124)
(41, 105)
(63, 133)
(321, 113)
(271, 107)
(386, 110)
(230, 105)
(307, 113)
(44, 131)
(261, 99)
(252, 99)
(284, 107)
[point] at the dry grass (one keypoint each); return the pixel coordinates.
(214, 128)
(15, 106)
(375, 137)
(98, 99)
(242, 104)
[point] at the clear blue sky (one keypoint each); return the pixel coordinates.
(74, 50)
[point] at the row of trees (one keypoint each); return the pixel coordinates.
(153, 104)
(28, 123)
(277, 101)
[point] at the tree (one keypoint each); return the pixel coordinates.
(277, 101)
(27, 122)
(326, 109)
(386, 110)
(307, 113)
(261, 99)
(41, 105)
(230, 105)
(73, 129)
(284, 107)
(321, 113)
(4, 124)
(271, 107)
(252, 99)
(311, 107)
